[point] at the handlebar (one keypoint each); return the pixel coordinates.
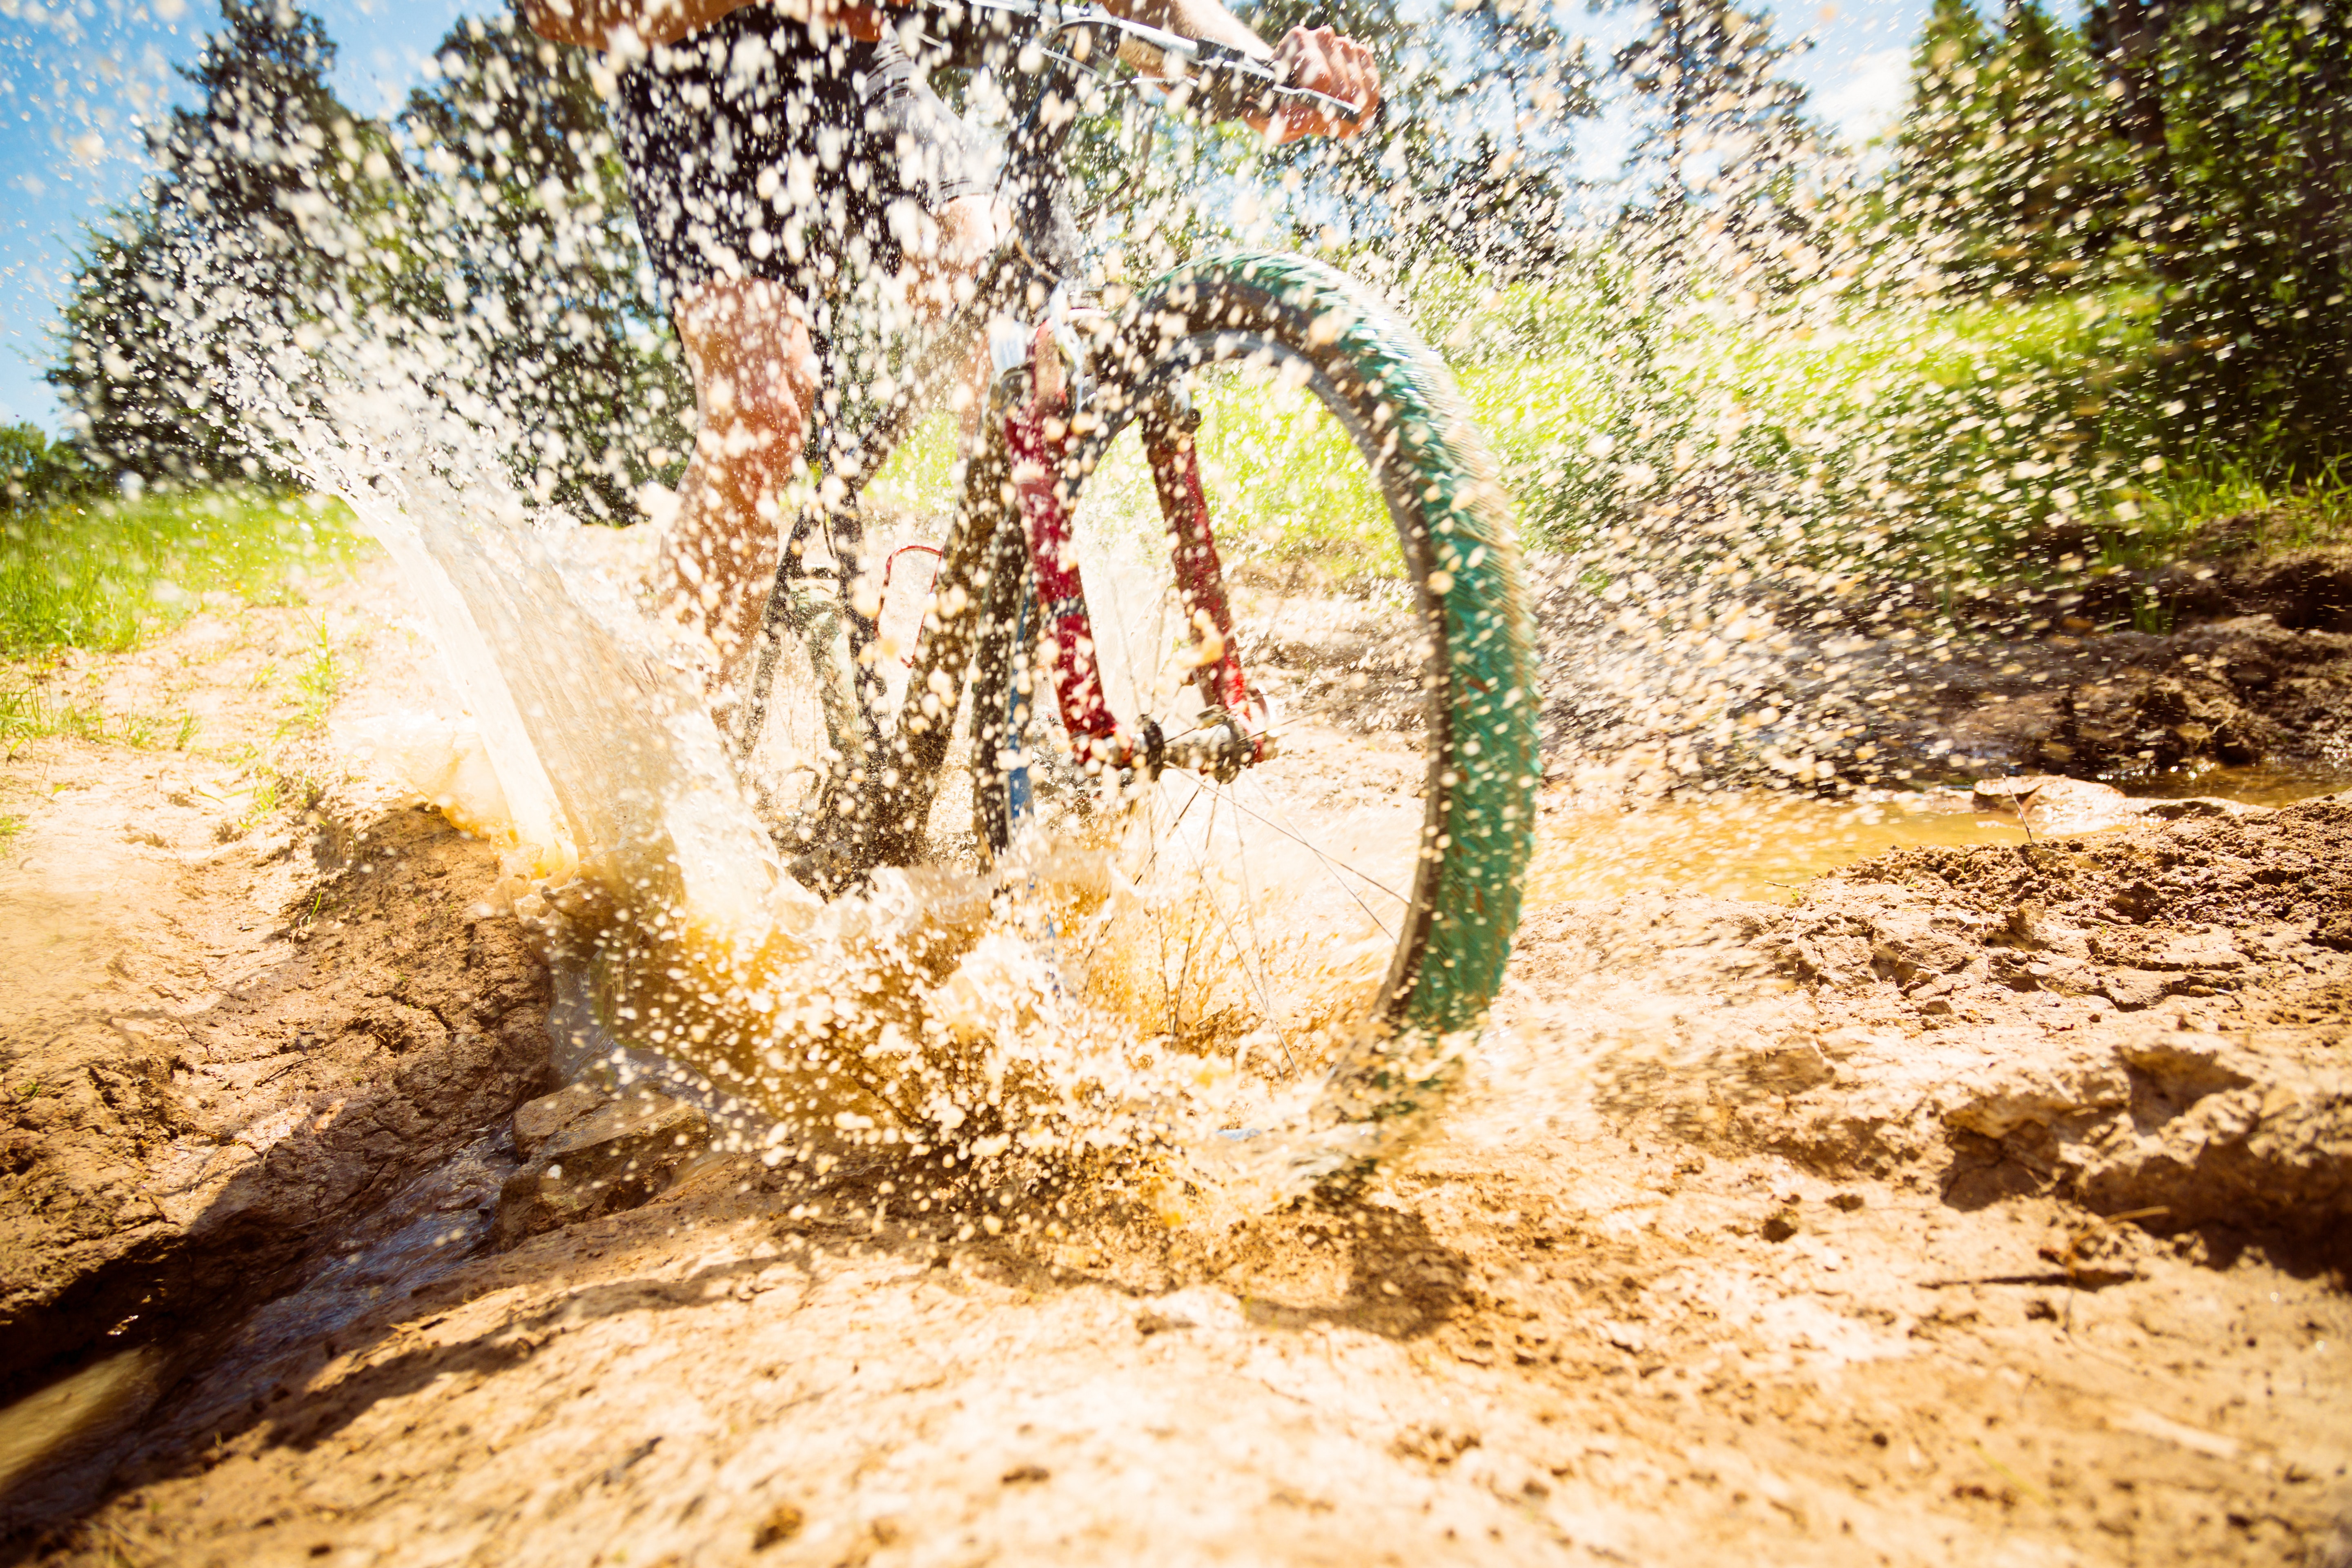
(1228, 83)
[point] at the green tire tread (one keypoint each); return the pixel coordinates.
(1458, 535)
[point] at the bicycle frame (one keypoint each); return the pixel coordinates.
(1035, 417)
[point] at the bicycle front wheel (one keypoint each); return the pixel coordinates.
(1346, 552)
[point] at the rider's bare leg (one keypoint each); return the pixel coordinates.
(967, 232)
(755, 382)
(756, 379)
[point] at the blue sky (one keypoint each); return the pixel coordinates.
(77, 78)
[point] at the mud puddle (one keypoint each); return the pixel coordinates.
(1768, 846)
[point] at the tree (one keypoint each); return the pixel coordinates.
(1721, 132)
(35, 470)
(265, 201)
(1469, 161)
(2236, 116)
(529, 253)
(2007, 169)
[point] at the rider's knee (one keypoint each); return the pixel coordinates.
(969, 228)
(753, 362)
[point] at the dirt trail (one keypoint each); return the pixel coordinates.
(1816, 1232)
(244, 996)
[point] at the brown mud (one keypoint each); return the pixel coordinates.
(2254, 667)
(1970, 1203)
(244, 1000)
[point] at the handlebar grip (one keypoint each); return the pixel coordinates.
(1143, 57)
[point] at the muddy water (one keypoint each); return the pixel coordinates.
(48, 1438)
(1752, 844)
(60, 1445)
(2264, 784)
(1742, 845)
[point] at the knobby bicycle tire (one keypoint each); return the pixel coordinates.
(1455, 530)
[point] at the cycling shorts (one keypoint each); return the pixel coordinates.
(753, 152)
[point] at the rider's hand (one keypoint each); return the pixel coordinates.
(1322, 61)
(861, 21)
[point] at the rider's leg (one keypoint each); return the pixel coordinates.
(967, 232)
(755, 382)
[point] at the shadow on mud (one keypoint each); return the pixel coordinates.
(305, 1365)
(270, 1143)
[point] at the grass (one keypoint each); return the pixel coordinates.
(1854, 443)
(2226, 506)
(1274, 462)
(31, 711)
(1973, 447)
(318, 680)
(104, 576)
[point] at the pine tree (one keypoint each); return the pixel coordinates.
(267, 200)
(2007, 171)
(534, 257)
(1722, 142)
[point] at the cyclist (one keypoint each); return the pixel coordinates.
(779, 159)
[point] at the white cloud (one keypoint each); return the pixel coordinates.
(1867, 100)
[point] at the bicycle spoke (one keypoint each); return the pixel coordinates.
(1335, 867)
(1249, 913)
(1266, 996)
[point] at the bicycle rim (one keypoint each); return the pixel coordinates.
(1370, 870)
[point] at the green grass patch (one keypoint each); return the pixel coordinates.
(103, 576)
(33, 710)
(1285, 482)
(1875, 438)
(2234, 508)
(1866, 439)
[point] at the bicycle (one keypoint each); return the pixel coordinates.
(1191, 366)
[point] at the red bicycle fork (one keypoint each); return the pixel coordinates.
(1038, 436)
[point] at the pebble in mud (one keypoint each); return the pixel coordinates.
(783, 1522)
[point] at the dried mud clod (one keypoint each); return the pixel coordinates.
(2256, 667)
(2151, 1020)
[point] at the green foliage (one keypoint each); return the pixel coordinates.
(267, 198)
(536, 261)
(2008, 170)
(2198, 149)
(35, 471)
(278, 219)
(2247, 201)
(102, 577)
